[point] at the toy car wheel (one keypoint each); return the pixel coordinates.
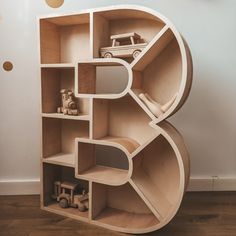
(107, 55)
(63, 203)
(136, 53)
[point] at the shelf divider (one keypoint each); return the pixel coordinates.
(153, 49)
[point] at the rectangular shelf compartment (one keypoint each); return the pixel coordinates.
(52, 173)
(59, 139)
(152, 168)
(65, 39)
(120, 206)
(54, 79)
(120, 22)
(101, 163)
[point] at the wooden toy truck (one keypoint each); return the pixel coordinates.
(64, 193)
(124, 45)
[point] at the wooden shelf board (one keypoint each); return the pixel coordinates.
(58, 65)
(103, 174)
(153, 49)
(129, 144)
(154, 195)
(63, 159)
(72, 19)
(120, 218)
(68, 117)
(68, 212)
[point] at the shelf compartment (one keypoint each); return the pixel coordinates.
(59, 138)
(120, 207)
(120, 22)
(161, 75)
(52, 173)
(126, 120)
(156, 174)
(101, 78)
(65, 39)
(53, 80)
(101, 163)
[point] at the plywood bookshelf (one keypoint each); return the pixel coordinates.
(134, 165)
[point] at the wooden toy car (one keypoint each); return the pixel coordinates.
(123, 46)
(67, 195)
(69, 106)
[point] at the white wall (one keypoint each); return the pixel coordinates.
(207, 120)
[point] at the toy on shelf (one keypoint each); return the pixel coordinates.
(70, 195)
(156, 108)
(123, 46)
(69, 106)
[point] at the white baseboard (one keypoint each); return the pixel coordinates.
(28, 187)
(19, 187)
(213, 183)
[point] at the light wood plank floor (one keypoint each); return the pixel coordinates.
(201, 214)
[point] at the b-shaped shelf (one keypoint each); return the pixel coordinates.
(133, 164)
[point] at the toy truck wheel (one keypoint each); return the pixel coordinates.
(136, 53)
(82, 207)
(107, 55)
(63, 203)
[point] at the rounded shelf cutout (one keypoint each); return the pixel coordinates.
(103, 79)
(101, 163)
(7, 66)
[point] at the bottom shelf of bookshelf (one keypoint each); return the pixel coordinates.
(68, 212)
(123, 219)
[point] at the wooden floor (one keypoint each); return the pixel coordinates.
(201, 214)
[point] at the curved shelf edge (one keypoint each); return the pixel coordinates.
(104, 62)
(105, 174)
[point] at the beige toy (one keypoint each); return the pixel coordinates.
(123, 46)
(64, 193)
(69, 106)
(156, 108)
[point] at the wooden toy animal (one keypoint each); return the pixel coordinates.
(69, 106)
(156, 108)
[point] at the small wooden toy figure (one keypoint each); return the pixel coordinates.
(123, 46)
(69, 106)
(156, 108)
(70, 195)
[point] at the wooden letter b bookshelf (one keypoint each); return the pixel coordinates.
(134, 165)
